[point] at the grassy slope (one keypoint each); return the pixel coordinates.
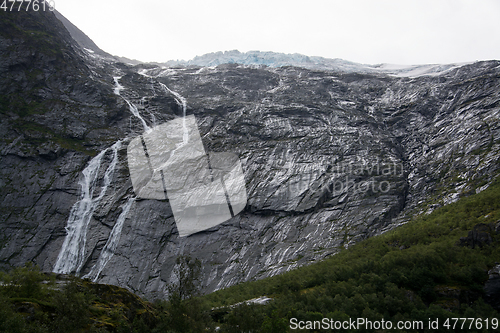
(414, 272)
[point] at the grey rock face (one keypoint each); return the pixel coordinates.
(329, 159)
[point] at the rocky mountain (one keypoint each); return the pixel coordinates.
(330, 156)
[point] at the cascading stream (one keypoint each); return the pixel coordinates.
(131, 106)
(111, 244)
(118, 86)
(71, 257)
(114, 237)
(72, 254)
(181, 101)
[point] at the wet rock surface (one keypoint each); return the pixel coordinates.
(329, 157)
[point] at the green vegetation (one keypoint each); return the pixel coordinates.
(32, 301)
(415, 272)
(418, 271)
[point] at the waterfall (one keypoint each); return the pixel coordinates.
(111, 244)
(71, 257)
(181, 101)
(118, 86)
(72, 254)
(131, 106)
(136, 113)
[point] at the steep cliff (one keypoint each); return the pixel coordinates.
(330, 157)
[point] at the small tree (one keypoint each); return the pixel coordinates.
(72, 305)
(188, 272)
(27, 280)
(186, 313)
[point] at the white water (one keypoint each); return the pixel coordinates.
(114, 237)
(131, 106)
(71, 257)
(72, 254)
(136, 113)
(118, 86)
(111, 244)
(181, 101)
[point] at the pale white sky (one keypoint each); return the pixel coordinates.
(365, 31)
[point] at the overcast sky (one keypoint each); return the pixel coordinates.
(365, 31)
